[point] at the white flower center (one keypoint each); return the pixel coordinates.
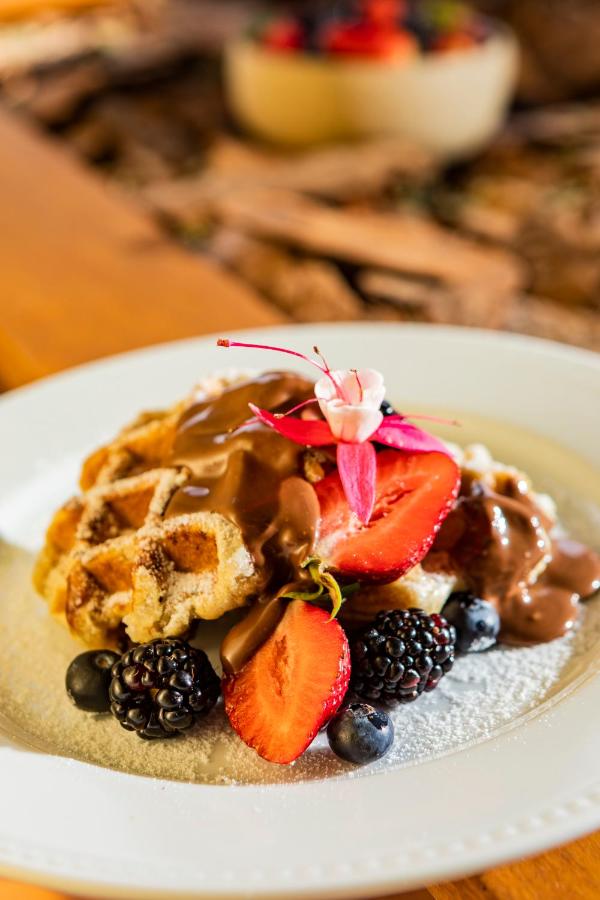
(353, 409)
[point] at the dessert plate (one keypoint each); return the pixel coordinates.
(472, 785)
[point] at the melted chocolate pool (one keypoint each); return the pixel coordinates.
(495, 542)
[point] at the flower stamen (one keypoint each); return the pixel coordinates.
(327, 371)
(226, 343)
(296, 408)
(360, 387)
(437, 419)
(323, 368)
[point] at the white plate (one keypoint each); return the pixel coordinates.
(526, 786)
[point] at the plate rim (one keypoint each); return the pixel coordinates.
(534, 844)
(545, 346)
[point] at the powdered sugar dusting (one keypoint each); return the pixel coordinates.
(485, 692)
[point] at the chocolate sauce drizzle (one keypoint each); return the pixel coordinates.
(248, 472)
(498, 543)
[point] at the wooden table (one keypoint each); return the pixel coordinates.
(83, 274)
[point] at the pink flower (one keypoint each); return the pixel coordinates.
(350, 401)
(355, 418)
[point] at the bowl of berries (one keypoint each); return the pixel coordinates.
(431, 70)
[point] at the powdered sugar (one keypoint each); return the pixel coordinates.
(485, 692)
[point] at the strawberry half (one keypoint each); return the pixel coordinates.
(283, 34)
(414, 494)
(384, 13)
(292, 685)
(367, 39)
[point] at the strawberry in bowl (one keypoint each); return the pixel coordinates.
(375, 29)
(376, 32)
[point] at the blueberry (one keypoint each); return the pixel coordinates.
(476, 621)
(88, 680)
(359, 733)
(387, 409)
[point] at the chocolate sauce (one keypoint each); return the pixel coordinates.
(251, 475)
(248, 472)
(574, 567)
(495, 542)
(534, 615)
(243, 640)
(550, 607)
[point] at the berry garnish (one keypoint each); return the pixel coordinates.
(161, 688)
(386, 409)
(385, 13)
(360, 734)
(292, 685)
(414, 493)
(371, 40)
(403, 653)
(476, 622)
(283, 34)
(88, 680)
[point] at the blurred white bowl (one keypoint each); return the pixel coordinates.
(451, 103)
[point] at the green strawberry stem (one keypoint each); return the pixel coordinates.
(324, 581)
(304, 595)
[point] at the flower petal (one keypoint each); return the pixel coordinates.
(363, 386)
(357, 467)
(396, 432)
(351, 403)
(310, 433)
(352, 424)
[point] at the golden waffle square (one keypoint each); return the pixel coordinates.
(114, 561)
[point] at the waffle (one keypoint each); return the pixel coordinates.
(112, 560)
(417, 588)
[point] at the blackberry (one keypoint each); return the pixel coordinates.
(401, 654)
(161, 688)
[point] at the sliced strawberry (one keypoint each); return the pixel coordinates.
(368, 39)
(384, 13)
(293, 685)
(414, 494)
(283, 34)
